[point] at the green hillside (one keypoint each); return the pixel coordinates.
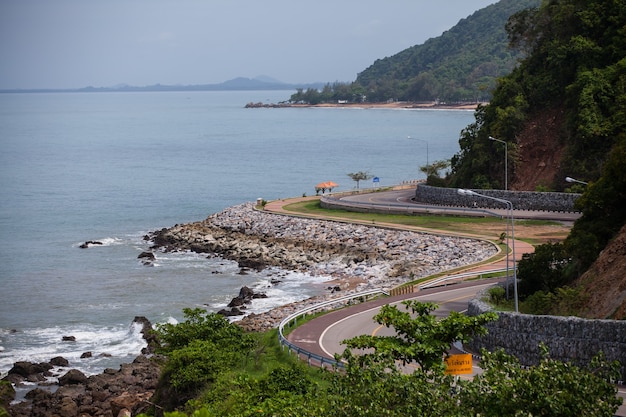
(562, 112)
(460, 65)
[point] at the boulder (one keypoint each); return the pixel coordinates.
(149, 335)
(89, 243)
(59, 361)
(73, 376)
(230, 313)
(27, 369)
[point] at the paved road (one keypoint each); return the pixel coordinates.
(402, 199)
(323, 335)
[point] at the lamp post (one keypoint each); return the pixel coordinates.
(506, 159)
(426, 142)
(509, 206)
(570, 179)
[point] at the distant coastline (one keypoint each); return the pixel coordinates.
(236, 84)
(384, 105)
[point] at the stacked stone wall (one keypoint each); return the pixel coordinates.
(521, 200)
(569, 339)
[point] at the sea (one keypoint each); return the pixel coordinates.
(112, 167)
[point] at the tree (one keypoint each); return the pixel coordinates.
(359, 176)
(420, 336)
(543, 270)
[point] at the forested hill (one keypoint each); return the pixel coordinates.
(562, 113)
(460, 65)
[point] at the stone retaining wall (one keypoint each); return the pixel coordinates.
(521, 200)
(569, 339)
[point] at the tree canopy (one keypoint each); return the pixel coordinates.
(255, 377)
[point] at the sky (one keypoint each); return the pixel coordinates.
(104, 43)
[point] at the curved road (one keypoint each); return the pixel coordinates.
(453, 298)
(323, 335)
(403, 198)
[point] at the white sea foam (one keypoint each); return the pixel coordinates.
(283, 287)
(109, 346)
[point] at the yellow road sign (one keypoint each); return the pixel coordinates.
(459, 364)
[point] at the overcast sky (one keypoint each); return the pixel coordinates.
(101, 43)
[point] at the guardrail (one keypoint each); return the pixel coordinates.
(444, 280)
(293, 318)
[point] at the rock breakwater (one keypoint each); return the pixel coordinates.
(358, 256)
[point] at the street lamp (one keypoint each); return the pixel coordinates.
(570, 179)
(425, 141)
(506, 159)
(509, 206)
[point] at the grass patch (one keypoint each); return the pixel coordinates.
(449, 223)
(483, 226)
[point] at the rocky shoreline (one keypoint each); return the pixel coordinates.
(358, 257)
(67, 392)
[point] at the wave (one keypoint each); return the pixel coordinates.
(91, 350)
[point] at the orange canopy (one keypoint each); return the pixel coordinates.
(327, 184)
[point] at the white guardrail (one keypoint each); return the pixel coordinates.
(438, 282)
(322, 360)
(293, 319)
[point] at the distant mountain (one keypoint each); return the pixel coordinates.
(262, 82)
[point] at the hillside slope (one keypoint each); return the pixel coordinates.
(604, 284)
(460, 65)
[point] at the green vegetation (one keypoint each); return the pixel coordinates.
(359, 176)
(575, 70)
(419, 337)
(213, 369)
(573, 80)
(461, 65)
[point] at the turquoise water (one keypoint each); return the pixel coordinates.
(112, 167)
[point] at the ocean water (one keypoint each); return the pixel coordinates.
(112, 167)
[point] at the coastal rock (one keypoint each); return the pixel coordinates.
(379, 257)
(147, 258)
(232, 312)
(90, 243)
(59, 361)
(370, 256)
(246, 295)
(73, 376)
(23, 371)
(129, 388)
(148, 333)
